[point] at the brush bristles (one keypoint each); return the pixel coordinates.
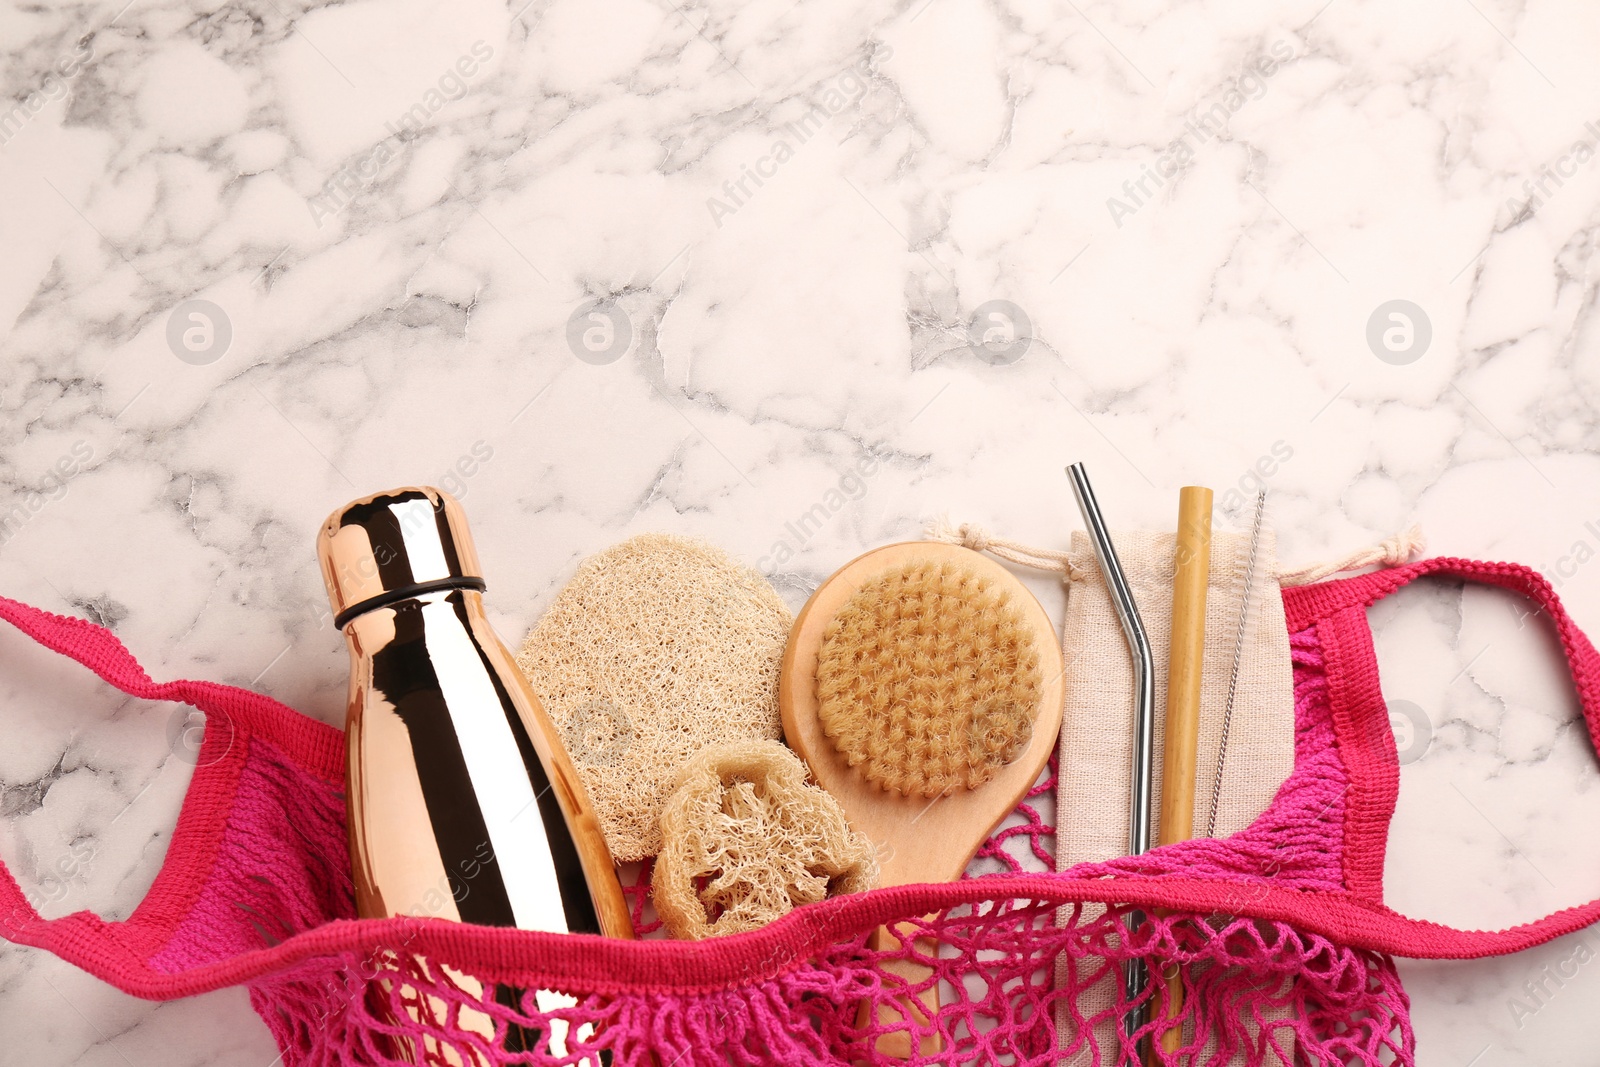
(928, 680)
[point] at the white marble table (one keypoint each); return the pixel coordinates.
(621, 265)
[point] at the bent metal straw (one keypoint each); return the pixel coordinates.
(1144, 713)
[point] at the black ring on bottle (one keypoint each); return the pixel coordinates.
(405, 592)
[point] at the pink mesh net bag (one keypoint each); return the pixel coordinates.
(1286, 944)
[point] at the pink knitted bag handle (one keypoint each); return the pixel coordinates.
(119, 952)
(1338, 611)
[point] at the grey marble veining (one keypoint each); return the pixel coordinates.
(795, 277)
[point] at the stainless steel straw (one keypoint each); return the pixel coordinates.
(1135, 975)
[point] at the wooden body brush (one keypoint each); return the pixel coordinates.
(922, 685)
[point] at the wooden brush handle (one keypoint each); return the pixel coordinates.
(921, 1008)
(1193, 572)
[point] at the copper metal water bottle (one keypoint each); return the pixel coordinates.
(462, 802)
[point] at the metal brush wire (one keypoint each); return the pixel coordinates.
(1238, 655)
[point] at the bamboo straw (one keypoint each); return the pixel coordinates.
(1193, 570)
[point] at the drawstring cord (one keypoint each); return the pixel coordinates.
(1391, 552)
(971, 535)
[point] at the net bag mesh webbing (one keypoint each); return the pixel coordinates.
(1256, 990)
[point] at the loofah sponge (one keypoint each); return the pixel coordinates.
(747, 827)
(928, 679)
(658, 647)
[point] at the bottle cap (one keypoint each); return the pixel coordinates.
(394, 545)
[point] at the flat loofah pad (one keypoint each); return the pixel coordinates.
(657, 648)
(928, 679)
(747, 826)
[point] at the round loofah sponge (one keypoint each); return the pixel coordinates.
(658, 647)
(745, 839)
(928, 679)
